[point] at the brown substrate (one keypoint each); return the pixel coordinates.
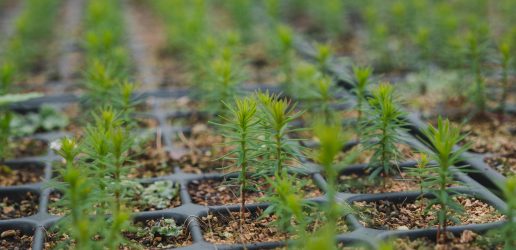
(468, 240)
(198, 161)
(354, 183)
(154, 240)
(389, 215)
(200, 136)
(141, 238)
(53, 208)
(24, 207)
(224, 229)
(491, 136)
(151, 162)
(182, 104)
(14, 239)
(136, 204)
(210, 192)
(19, 175)
(200, 151)
(146, 122)
(24, 147)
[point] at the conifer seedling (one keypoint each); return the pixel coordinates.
(381, 131)
(443, 139)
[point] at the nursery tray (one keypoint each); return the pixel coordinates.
(190, 213)
(481, 171)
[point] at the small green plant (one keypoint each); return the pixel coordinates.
(284, 44)
(381, 131)
(323, 55)
(509, 229)
(419, 173)
(362, 78)
(505, 51)
(104, 87)
(276, 116)
(241, 128)
(159, 194)
(304, 76)
(7, 75)
(6, 117)
(223, 81)
(167, 227)
(32, 32)
(79, 196)
(328, 14)
(331, 140)
(476, 56)
(443, 139)
(287, 204)
(47, 118)
(241, 12)
(321, 99)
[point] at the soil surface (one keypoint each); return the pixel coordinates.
(151, 240)
(224, 229)
(468, 240)
(151, 161)
(389, 215)
(496, 138)
(19, 175)
(14, 239)
(210, 192)
(26, 206)
(200, 151)
(354, 183)
(24, 147)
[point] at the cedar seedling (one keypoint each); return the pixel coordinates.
(331, 140)
(272, 8)
(323, 55)
(476, 56)
(276, 116)
(443, 139)
(381, 131)
(287, 204)
(328, 13)
(241, 12)
(420, 173)
(286, 53)
(79, 196)
(222, 83)
(241, 129)
(509, 229)
(505, 51)
(106, 146)
(362, 75)
(7, 74)
(322, 97)
(303, 78)
(32, 30)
